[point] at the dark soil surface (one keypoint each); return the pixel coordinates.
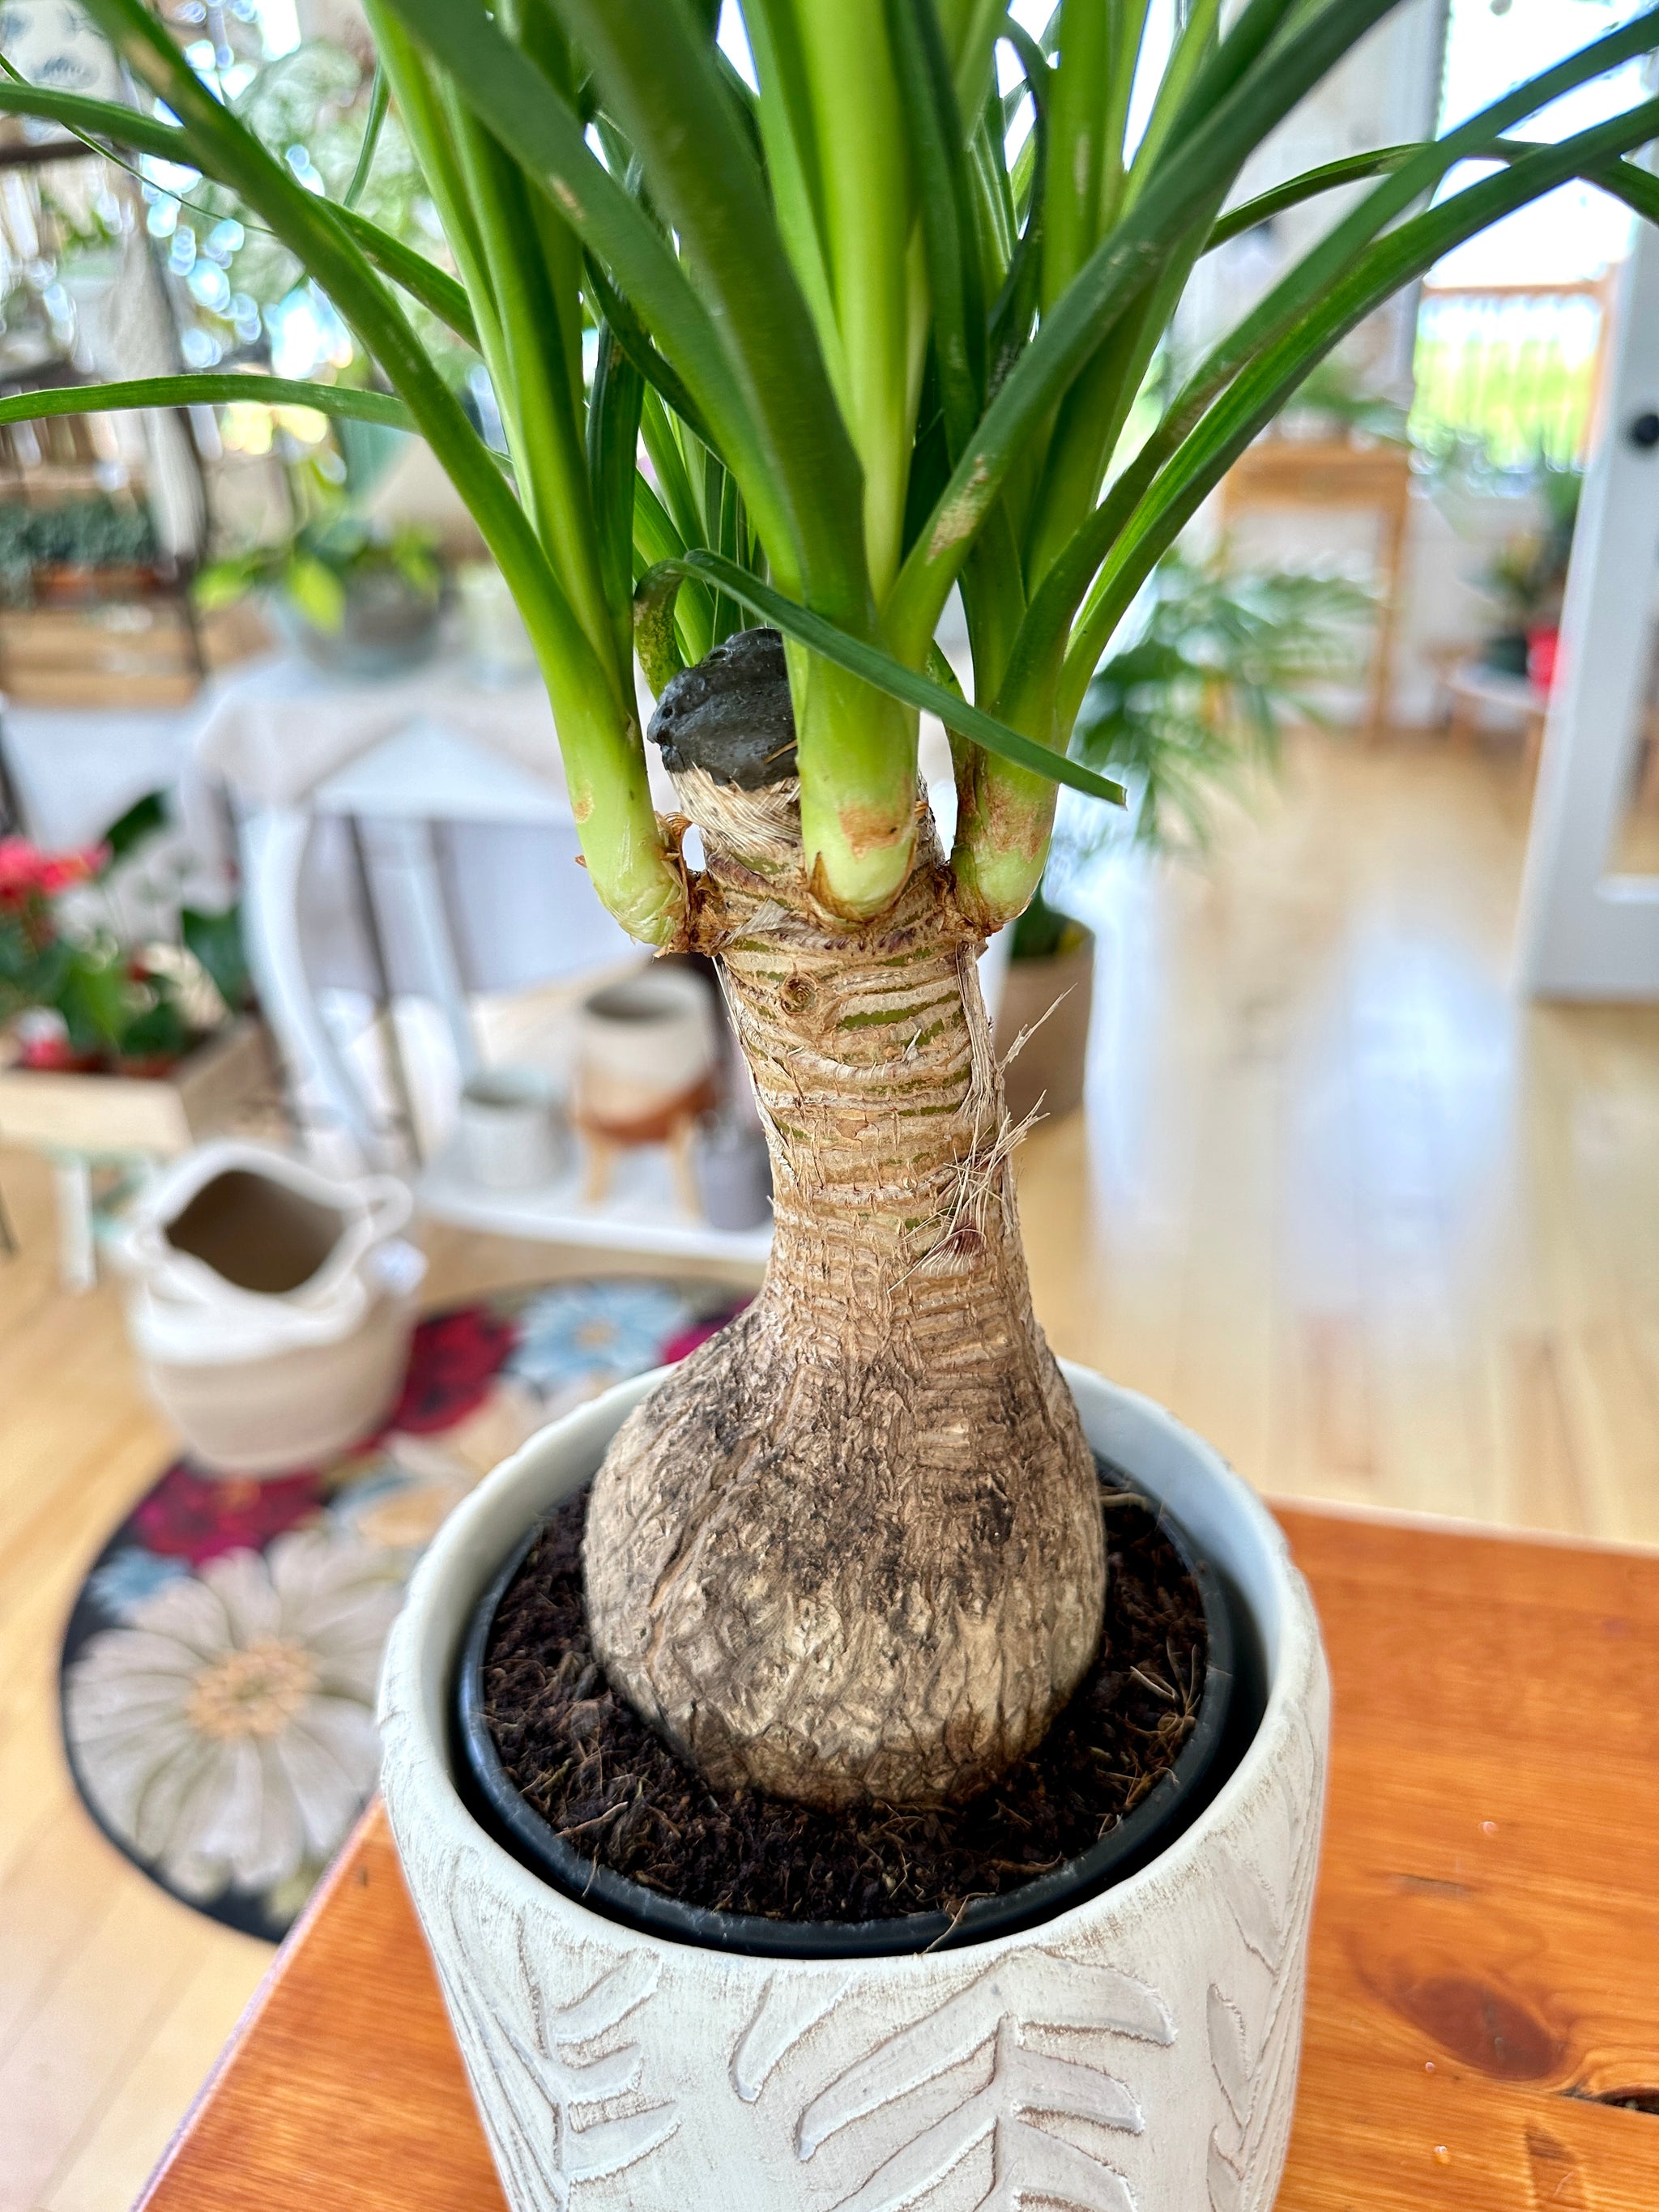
(613, 1791)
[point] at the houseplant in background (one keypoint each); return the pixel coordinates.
(356, 597)
(876, 343)
(1527, 576)
(89, 548)
(1333, 403)
(113, 1045)
(1192, 703)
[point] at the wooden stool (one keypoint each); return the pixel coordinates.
(673, 1124)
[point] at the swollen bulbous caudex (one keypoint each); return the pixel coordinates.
(852, 1546)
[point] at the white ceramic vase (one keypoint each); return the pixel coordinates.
(271, 1305)
(1135, 2053)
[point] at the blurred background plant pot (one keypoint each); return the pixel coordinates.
(733, 1172)
(1050, 995)
(647, 1065)
(65, 583)
(77, 1100)
(271, 1305)
(386, 625)
(512, 1136)
(357, 597)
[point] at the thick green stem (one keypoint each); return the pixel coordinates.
(1078, 112)
(856, 754)
(1004, 815)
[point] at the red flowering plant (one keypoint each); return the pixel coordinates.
(46, 970)
(75, 996)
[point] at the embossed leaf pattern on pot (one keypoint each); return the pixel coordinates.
(789, 2008)
(1014, 2100)
(1027, 2161)
(558, 2067)
(1253, 2025)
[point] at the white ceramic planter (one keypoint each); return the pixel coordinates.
(1137, 2053)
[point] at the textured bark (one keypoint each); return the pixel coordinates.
(853, 1546)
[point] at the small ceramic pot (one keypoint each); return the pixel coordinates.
(1057, 994)
(389, 625)
(733, 1173)
(511, 1137)
(647, 1050)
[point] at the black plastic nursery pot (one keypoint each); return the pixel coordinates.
(1230, 1709)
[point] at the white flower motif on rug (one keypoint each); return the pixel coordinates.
(227, 1736)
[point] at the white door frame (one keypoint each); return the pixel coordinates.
(1584, 933)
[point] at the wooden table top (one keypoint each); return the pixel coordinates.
(1486, 1943)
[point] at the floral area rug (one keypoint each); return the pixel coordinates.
(220, 1667)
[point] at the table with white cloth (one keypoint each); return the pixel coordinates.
(411, 838)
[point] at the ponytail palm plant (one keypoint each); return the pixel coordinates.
(806, 341)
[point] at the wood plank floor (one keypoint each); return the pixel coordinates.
(1382, 1233)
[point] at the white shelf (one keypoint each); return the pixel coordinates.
(641, 1214)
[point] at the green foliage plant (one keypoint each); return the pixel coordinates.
(111, 1004)
(905, 338)
(315, 570)
(1196, 702)
(811, 338)
(93, 532)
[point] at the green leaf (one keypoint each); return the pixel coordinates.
(1300, 293)
(158, 1031)
(108, 122)
(884, 673)
(1352, 169)
(215, 940)
(1251, 34)
(661, 83)
(223, 583)
(435, 288)
(316, 591)
(613, 440)
(1120, 268)
(1014, 309)
(654, 623)
(635, 342)
(93, 995)
(105, 120)
(142, 819)
(947, 216)
(549, 140)
(1638, 188)
(209, 388)
(1210, 449)
(222, 145)
(379, 98)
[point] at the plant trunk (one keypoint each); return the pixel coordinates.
(852, 1548)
